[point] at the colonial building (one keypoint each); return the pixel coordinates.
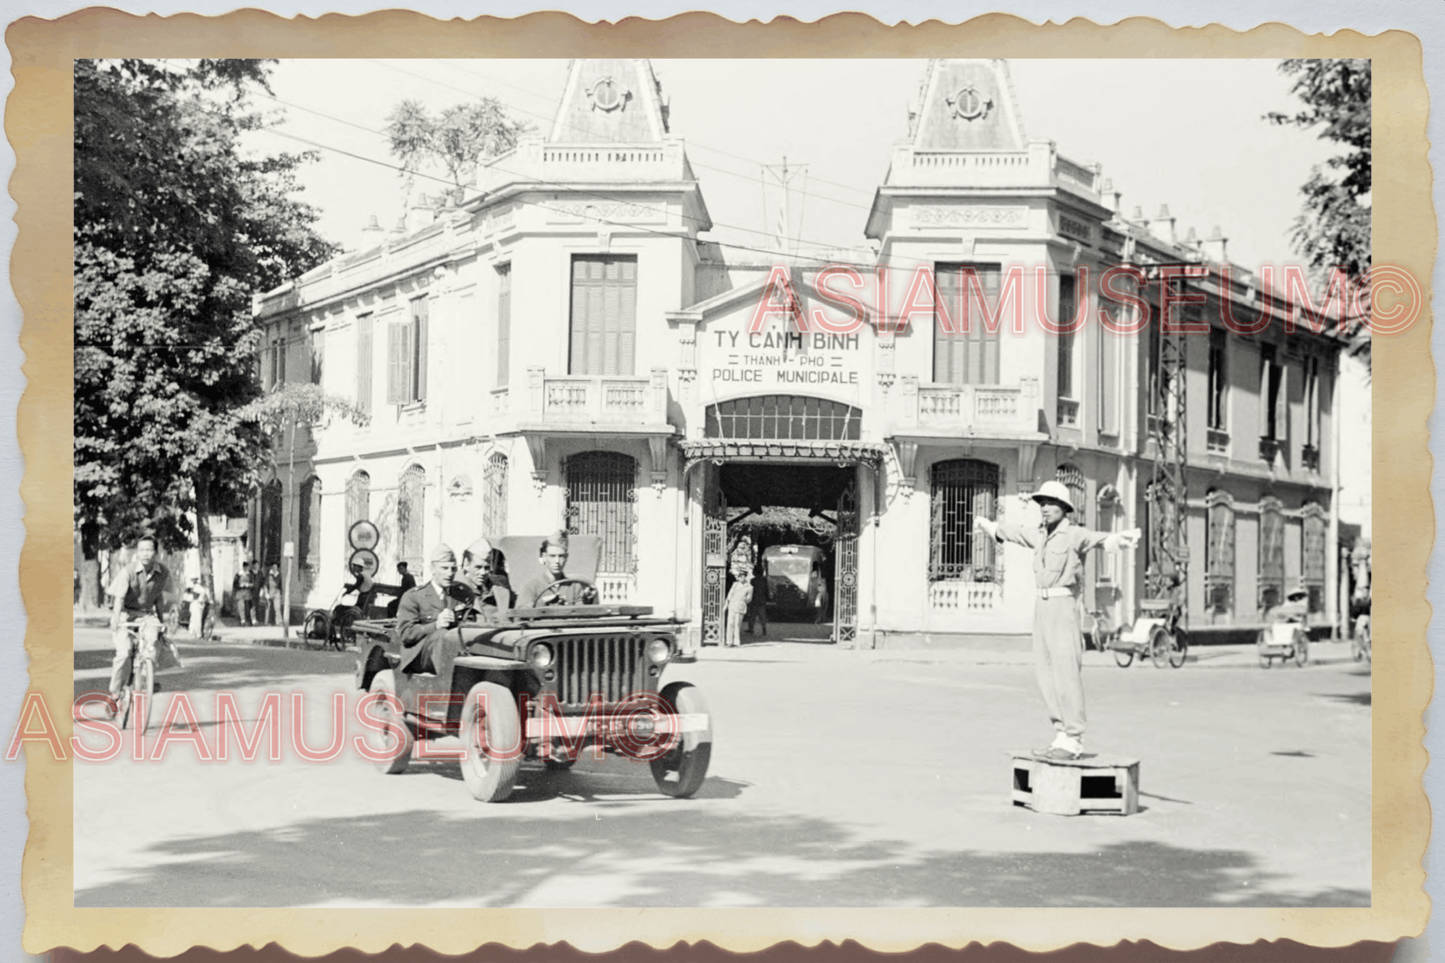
(558, 346)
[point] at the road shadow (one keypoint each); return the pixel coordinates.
(620, 855)
(227, 667)
(1350, 698)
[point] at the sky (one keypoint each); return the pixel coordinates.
(1186, 133)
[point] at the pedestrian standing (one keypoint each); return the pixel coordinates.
(758, 604)
(271, 586)
(737, 607)
(1059, 547)
(243, 589)
(196, 599)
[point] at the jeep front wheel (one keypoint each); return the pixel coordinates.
(492, 739)
(681, 772)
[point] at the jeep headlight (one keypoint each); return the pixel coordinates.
(658, 650)
(540, 656)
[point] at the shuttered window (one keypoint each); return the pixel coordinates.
(308, 537)
(963, 489)
(504, 323)
(604, 315)
(1067, 306)
(1274, 395)
(1312, 555)
(1218, 379)
(364, 363)
(1219, 552)
(271, 511)
(965, 357)
(1108, 382)
(406, 356)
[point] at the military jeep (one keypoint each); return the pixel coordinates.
(542, 683)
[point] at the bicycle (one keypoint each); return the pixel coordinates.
(322, 628)
(139, 679)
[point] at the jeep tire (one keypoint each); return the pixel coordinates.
(680, 773)
(491, 733)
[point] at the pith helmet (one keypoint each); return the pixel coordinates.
(1056, 491)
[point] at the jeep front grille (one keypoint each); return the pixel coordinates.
(612, 666)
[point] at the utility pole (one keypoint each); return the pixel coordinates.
(783, 174)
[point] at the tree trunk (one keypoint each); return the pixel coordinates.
(90, 597)
(203, 530)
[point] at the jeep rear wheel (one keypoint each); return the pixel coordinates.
(681, 772)
(492, 738)
(385, 681)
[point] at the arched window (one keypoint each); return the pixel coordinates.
(1073, 479)
(602, 500)
(1312, 555)
(1219, 552)
(494, 484)
(411, 518)
(1271, 552)
(358, 506)
(271, 510)
(963, 489)
(308, 529)
(783, 417)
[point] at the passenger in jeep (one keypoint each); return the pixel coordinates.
(427, 612)
(542, 590)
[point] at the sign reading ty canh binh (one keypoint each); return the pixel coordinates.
(786, 339)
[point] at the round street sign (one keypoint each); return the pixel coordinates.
(364, 535)
(368, 561)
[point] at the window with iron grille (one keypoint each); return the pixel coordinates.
(963, 489)
(410, 518)
(602, 500)
(783, 417)
(966, 357)
(1271, 553)
(271, 501)
(1072, 478)
(358, 505)
(308, 529)
(1312, 555)
(1219, 553)
(604, 315)
(494, 481)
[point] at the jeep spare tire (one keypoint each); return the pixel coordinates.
(492, 740)
(680, 773)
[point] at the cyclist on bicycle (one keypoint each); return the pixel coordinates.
(141, 592)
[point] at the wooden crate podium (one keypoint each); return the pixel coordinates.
(1068, 787)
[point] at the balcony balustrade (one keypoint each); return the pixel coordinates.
(997, 410)
(1037, 166)
(584, 401)
(536, 161)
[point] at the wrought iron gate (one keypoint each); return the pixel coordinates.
(714, 551)
(845, 562)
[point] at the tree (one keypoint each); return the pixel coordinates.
(174, 229)
(460, 138)
(279, 413)
(1333, 230)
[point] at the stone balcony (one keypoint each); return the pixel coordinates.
(1038, 166)
(997, 411)
(548, 405)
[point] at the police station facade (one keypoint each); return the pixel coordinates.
(557, 347)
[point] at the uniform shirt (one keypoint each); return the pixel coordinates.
(1058, 555)
(141, 590)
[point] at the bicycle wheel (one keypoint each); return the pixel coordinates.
(1160, 642)
(145, 685)
(1301, 649)
(316, 630)
(1178, 649)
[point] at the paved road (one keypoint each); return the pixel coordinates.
(838, 779)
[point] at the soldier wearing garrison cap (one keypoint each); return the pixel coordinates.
(427, 612)
(1059, 547)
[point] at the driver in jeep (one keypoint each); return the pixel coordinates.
(427, 612)
(554, 587)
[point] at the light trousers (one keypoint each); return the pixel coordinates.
(1059, 662)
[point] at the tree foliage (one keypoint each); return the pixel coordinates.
(456, 140)
(1333, 229)
(175, 227)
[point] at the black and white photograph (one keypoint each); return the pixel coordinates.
(628, 483)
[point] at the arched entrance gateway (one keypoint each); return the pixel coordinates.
(780, 471)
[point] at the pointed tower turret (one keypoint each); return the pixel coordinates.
(968, 105)
(608, 102)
